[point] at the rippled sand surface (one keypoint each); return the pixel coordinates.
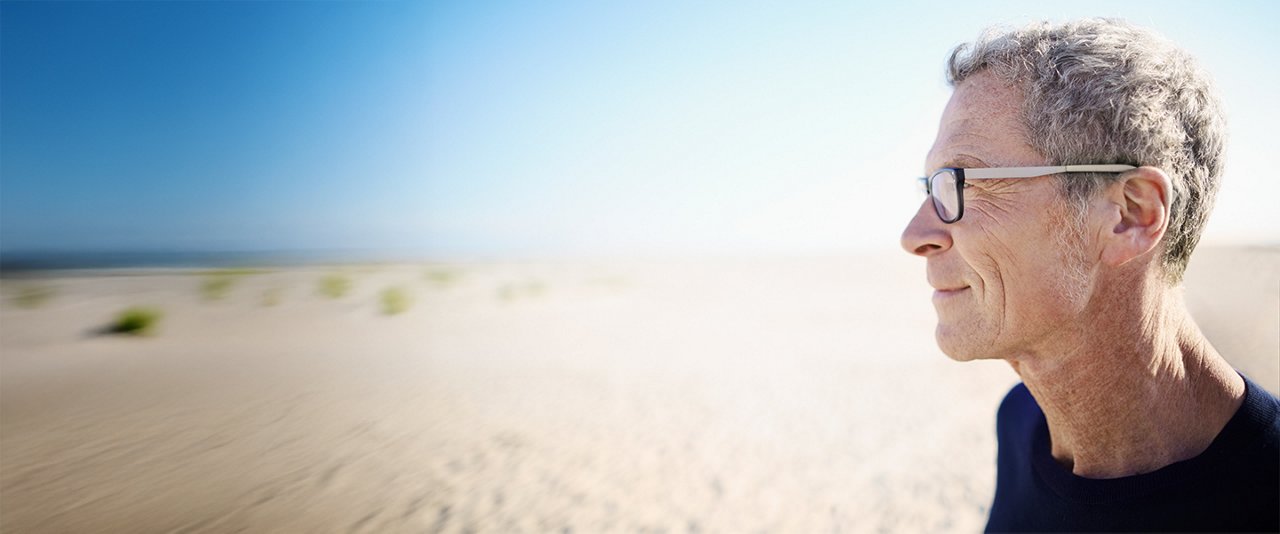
(725, 396)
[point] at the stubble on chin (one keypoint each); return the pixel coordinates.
(958, 343)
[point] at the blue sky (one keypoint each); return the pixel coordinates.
(524, 129)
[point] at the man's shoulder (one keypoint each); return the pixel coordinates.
(1231, 486)
(1241, 469)
(1257, 421)
(1260, 403)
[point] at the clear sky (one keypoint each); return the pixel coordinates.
(526, 128)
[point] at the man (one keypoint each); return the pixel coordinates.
(1073, 171)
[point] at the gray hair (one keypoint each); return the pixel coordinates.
(1104, 91)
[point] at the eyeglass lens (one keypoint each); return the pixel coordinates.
(946, 200)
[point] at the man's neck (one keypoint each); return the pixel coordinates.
(1121, 402)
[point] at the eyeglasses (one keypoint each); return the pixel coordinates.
(946, 185)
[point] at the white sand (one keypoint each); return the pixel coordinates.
(732, 396)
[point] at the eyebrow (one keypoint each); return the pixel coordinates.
(963, 161)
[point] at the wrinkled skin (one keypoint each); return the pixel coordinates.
(1007, 275)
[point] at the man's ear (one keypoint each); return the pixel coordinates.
(1142, 198)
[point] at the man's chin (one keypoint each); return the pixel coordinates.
(958, 348)
(961, 356)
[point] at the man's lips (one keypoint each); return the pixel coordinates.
(945, 285)
(949, 292)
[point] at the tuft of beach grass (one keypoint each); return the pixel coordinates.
(334, 286)
(395, 301)
(136, 321)
(442, 277)
(216, 287)
(218, 282)
(32, 296)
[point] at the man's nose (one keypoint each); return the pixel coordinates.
(926, 234)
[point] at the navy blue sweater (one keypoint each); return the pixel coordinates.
(1234, 485)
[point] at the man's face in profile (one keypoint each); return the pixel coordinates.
(1005, 274)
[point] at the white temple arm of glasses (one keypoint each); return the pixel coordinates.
(1032, 172)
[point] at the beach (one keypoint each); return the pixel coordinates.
(730, 395)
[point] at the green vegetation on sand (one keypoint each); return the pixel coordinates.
(135, 321)
(442, 277)
(216, 287)
(31, 297)
(395, 301)
(334, 286)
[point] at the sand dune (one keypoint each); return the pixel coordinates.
(714, 396)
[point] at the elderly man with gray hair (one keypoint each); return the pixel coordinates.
(1073, 171)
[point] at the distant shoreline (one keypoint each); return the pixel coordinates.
(18, 263)
(21, 263)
